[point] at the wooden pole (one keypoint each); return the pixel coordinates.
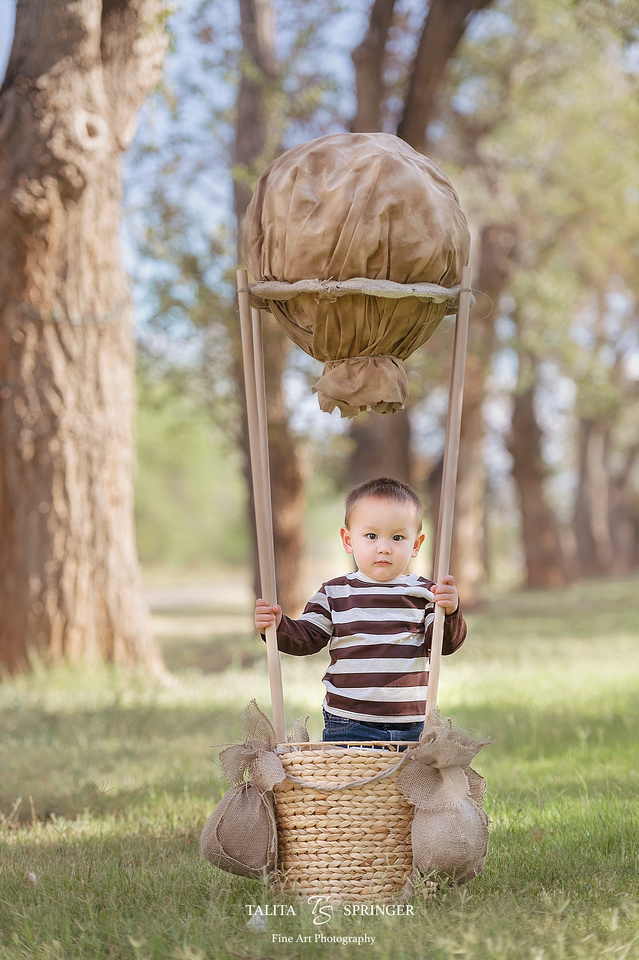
(260, 390)
(258, 449)
(449, 479)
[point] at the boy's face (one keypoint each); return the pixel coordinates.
(382, 535)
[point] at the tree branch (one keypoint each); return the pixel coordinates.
(133, 44)
(368, 58)
(259, 66)
(444, 26)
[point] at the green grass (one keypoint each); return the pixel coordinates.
(116, 778)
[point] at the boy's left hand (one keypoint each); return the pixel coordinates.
(446, 595)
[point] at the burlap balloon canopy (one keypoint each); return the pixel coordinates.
(357, 205)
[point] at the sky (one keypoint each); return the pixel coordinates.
(7, 16)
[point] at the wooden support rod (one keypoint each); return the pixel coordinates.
(449, 479)
(260, 390)
(258, 448)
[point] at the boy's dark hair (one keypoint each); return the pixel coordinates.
(384, 488)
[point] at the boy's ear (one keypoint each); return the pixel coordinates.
(346, 539)
(417, 544)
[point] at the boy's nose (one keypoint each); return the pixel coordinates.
(383, 546)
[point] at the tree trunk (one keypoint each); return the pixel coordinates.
(384, 448)
(252, 151)
(368, 58)
(69, 576)
(591, 520)
(497, 261)
(624, 515)
(545, 566)
(444, 26)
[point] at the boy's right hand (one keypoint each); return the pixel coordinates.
(266, 615)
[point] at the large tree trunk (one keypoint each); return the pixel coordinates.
(69, 576)
(497, 261)
(253, 149)
(545, 565)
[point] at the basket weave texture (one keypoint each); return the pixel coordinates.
(350, 844)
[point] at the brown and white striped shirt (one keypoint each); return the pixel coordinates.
(379, 637)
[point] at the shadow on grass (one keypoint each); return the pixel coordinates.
(135, 722)
(68, 763)
(165, 802)
(212, 654)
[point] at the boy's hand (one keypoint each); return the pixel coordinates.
(266, 615)
(446, 595)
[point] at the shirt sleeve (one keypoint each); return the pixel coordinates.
(310, 632)
(455, 628)
(455, 631)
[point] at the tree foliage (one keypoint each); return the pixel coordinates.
(550, 114)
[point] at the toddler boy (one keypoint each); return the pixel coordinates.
(377, 621)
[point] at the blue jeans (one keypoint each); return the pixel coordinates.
(341, 729)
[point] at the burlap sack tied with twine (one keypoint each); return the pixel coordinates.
(240, 836)
(449, 834)
(347, 206)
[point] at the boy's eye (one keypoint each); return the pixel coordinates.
(371, 536)
(398, 536)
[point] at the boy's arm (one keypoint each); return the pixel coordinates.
(300, 637)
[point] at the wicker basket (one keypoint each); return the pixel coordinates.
(349, 843)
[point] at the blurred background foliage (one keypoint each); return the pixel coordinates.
(535, 123)
(189, 502)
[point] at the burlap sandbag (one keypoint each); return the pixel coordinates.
(449, 833)
(357, 205)
(451, 842)
(241, 834)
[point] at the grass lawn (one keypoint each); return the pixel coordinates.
(106, 782)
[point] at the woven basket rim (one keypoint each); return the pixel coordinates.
(388, 746)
